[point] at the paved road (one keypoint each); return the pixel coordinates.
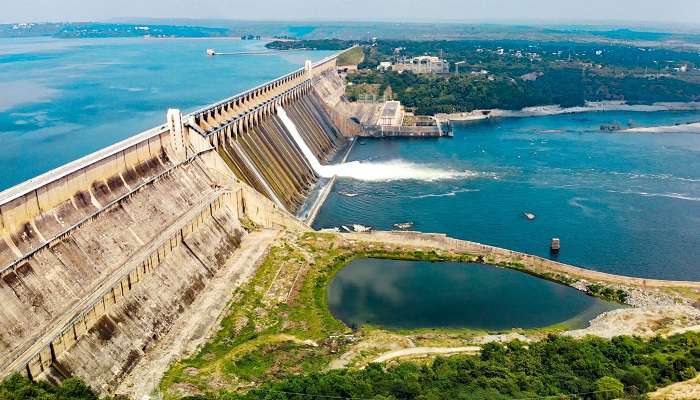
(420, 351)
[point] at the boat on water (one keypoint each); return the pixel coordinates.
(404, 225)
(529, 216)
(361, 228)
(346, 194)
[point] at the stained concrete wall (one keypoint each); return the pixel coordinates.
(98, 257)
(37, 211)
(49, 283)
(120, 337)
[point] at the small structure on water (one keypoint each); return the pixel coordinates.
(530, 216)
(555, 245)
(404, 225)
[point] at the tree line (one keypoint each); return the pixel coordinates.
(558, 366)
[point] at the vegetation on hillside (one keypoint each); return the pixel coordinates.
(560, 367)
(512, 74)
(279, 338)
(353, 56)
(321, 44)
(17, 387)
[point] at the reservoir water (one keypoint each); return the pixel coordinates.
(621, 203)
(420, 294)
(64, 98)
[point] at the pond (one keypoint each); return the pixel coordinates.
(420, 294)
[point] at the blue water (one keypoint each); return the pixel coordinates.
(622, 203)
(61, 99)
(420, 294)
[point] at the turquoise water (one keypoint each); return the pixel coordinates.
(419, 294)
(621, 203)
(65, 98)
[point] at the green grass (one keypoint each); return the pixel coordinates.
(261, 340)
(353, 56)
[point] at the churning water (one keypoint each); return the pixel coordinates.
(621, 203)
(389, 170)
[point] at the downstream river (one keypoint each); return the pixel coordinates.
(621, 203)
(64, 98)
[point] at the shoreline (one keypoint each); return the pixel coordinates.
(691, 127)
(540, 111)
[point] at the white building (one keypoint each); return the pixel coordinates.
(423, 65)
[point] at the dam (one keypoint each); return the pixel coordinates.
(103, 258)
(99, 257)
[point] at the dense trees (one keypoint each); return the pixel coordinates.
(588, 369)
(568, 87)
(18, 387)
(591, 368)
(564, 73)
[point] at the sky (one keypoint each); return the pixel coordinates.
(565, 11)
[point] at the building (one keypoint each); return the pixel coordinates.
(384, 66)
(423, 65)
(391, 114)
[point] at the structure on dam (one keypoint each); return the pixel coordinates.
(99, 257)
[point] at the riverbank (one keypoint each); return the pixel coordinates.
(693, 127)
(598, 106)
(279, 324)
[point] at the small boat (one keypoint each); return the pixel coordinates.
(331, 230)
(404, 225)
(346, 194)
(361, 228)
(346, 228)
(529, 216)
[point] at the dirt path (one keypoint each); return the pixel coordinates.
(687, 390)
(195, 325)
(422, 351)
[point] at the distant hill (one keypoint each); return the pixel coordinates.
(103, 30)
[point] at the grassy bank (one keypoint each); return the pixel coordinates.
(279, 324)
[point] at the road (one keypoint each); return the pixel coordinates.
(423, 351)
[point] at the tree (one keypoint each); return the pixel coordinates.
(608, 388)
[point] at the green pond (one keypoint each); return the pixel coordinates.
(420, 294)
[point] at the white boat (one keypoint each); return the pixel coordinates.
(361, 228)
(346, 228)
(529, 216)
(404, 225)
(346, 194)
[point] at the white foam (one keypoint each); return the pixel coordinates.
(680, 196)
(448, 194)
(370, 171)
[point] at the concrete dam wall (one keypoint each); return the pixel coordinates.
(98, 258)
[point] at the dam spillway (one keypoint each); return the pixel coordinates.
(99, 257)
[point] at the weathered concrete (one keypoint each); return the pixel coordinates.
(199, 322)
(101, 257)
